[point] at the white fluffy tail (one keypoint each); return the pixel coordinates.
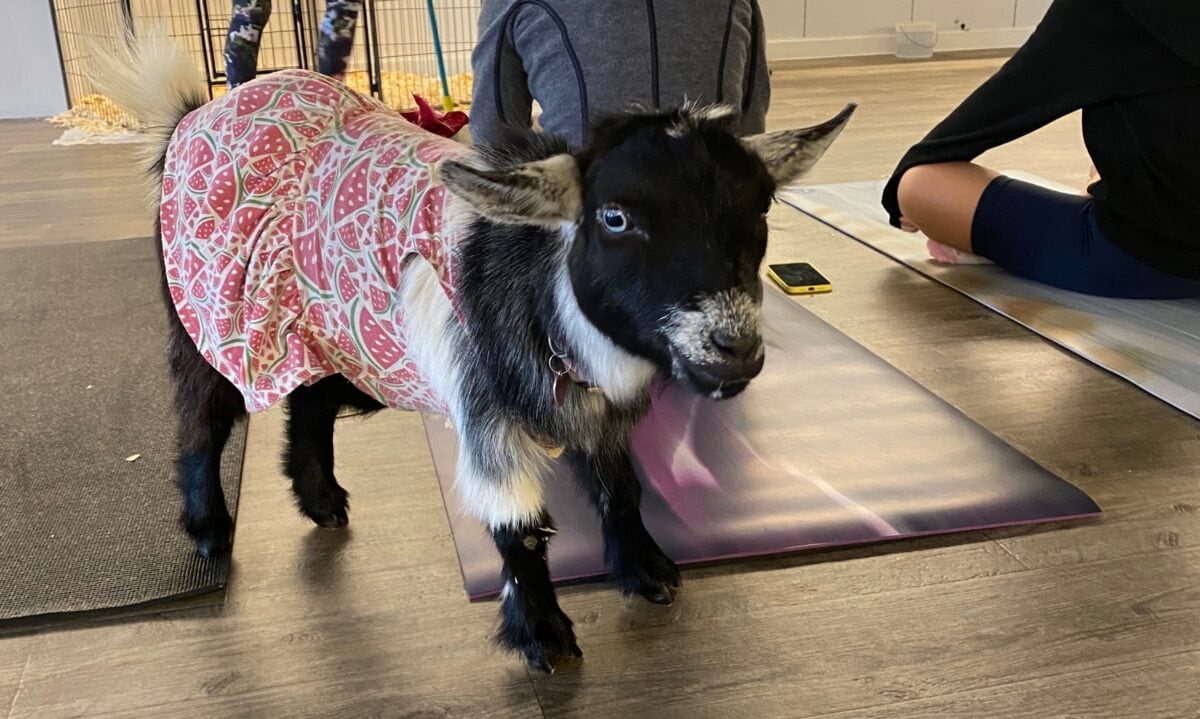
(153, 77)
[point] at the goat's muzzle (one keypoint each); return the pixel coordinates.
(736, 359)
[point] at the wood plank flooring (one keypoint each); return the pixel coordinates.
(57, 195)
(1100, 619)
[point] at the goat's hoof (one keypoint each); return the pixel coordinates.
(333, 521)
(330, 509)
(543, 661)
(662, 594)
(209, 547)
(543, 642)
(655, 577)
(212, 537)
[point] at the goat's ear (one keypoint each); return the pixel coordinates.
(547, 192)
(788, 154)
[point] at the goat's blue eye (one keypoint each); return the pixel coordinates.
(615, 220)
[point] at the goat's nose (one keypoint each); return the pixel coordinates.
(738, 347)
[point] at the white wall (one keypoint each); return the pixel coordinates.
(31, 84)
(1030, 12)
(834, 28)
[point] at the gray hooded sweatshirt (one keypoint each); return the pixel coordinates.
(583, 59)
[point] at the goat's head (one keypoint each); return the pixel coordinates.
(665, 218)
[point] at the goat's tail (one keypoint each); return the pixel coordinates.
(153, 77)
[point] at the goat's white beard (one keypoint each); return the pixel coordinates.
(731, 311)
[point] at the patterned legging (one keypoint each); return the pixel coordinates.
(334, 42)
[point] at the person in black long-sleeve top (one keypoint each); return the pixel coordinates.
(1133, 67)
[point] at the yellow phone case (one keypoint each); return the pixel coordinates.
(798, 289)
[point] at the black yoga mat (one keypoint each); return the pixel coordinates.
(84, 525)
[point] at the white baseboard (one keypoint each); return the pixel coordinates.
(822, 47)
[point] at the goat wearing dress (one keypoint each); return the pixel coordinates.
(319, 250)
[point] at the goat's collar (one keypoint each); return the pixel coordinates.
(563, 373)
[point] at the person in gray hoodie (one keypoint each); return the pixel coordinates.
(583, 59)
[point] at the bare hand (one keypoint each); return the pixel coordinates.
(1093, 177)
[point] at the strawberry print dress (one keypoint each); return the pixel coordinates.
(290, 207)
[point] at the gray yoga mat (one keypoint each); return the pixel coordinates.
(1154, 344)
(84, 388)
(831, 446)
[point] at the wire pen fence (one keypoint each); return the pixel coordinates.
(393, 56)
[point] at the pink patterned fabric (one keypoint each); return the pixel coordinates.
(289, 209)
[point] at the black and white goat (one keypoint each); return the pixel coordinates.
(640, 254)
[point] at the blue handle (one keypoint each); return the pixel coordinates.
(447, 102)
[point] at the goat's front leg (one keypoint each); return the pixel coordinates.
(500, 483)
(531, 621)
(635, 560)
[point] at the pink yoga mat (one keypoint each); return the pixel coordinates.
(831, 446)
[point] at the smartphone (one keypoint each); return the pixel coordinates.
(799, 278)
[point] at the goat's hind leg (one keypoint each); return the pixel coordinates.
(308, 458)
(208, 405)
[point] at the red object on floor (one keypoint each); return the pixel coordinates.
(445, 124)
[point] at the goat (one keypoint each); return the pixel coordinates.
(291, 213)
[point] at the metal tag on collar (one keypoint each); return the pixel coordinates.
(562, 369)
(561, 382)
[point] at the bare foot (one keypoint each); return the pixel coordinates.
(949, 256)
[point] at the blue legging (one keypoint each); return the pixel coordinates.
(1052, 237)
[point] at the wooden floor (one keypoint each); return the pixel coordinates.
(1093, 620)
